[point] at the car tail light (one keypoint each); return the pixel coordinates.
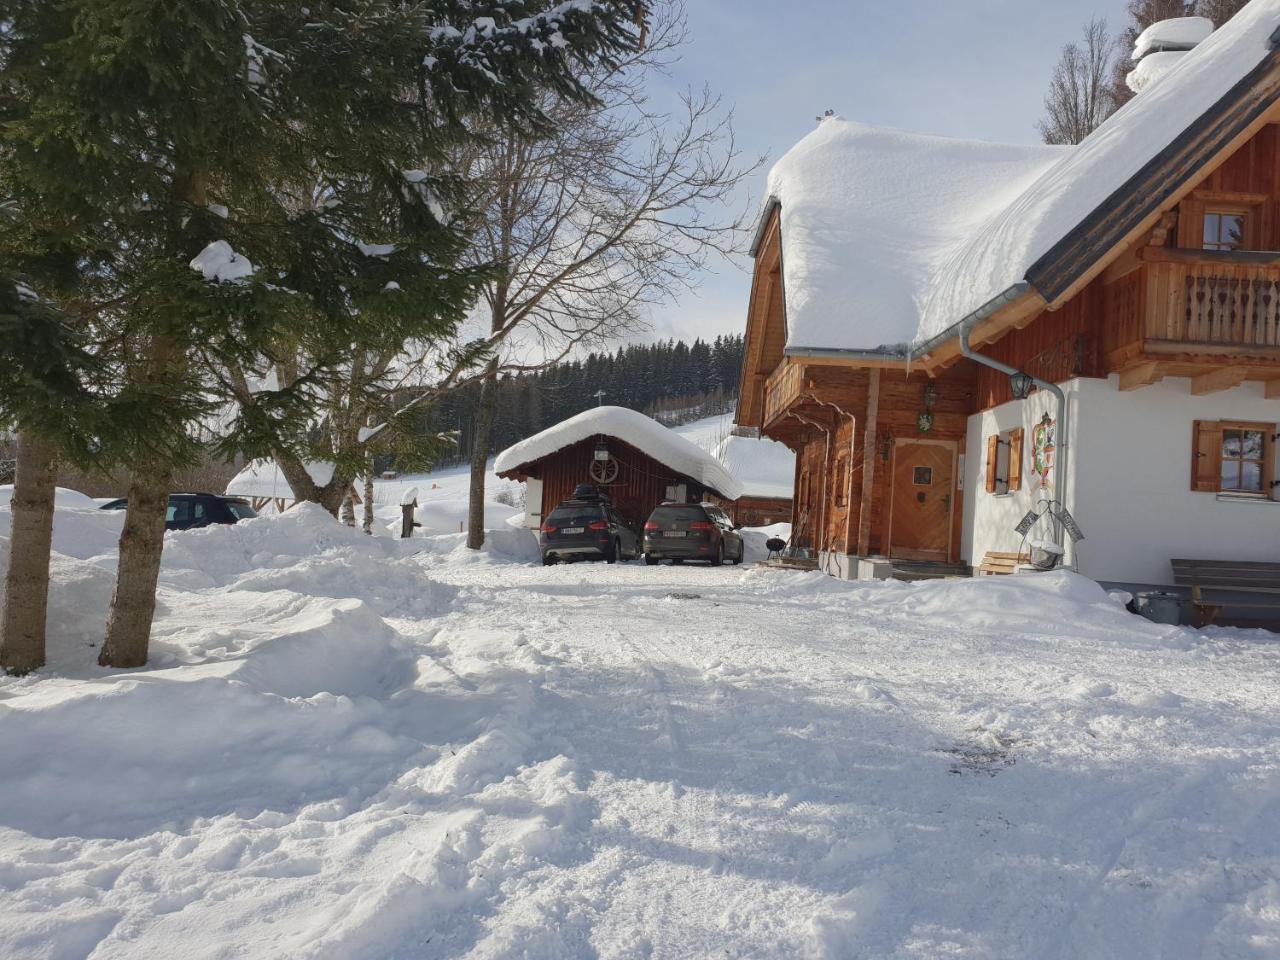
(548, 528)
(653, 525)
(700, 525)
(599, 525)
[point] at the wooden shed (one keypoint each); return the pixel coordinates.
(637, 461)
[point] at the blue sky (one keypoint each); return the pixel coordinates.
(966, 68)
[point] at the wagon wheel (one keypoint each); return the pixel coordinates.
(604, 471)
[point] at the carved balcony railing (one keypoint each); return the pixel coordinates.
(1202, 301)
(782, 388)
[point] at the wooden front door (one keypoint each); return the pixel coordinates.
(923, 499)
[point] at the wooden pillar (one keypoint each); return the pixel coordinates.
(868, 462)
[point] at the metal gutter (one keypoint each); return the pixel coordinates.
(988, 309)
(840, 353)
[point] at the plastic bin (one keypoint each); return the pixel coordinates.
(1158, 606)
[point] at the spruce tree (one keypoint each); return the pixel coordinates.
(247, 178)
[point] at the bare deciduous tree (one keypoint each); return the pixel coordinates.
(617, 210)
(1081, 93)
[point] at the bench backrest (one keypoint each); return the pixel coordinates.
(1250, 576)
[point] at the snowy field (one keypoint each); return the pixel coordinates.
(353, 747)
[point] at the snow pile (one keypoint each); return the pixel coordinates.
(645, 434)
(64, 498)
(870, 216)
(765, 467)
(1176, 33)
(1002, 252)
(358, 749)
(220, 263)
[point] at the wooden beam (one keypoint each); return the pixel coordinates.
(1273, 389)
(1143, 375)
(1224, 378)
(868, 464)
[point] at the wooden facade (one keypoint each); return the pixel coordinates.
(640, 485)
(880, 442)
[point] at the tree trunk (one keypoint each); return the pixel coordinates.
(133, 605)
(26, 589)
(481, 437)
(367, 523)
(348, 515)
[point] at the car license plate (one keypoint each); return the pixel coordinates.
(574, 530)
(674, 533)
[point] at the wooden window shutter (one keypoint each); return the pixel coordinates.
(1015, 459)
(1206, 456)
(1269, 488)
(993, 461)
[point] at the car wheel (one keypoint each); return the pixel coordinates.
(612, 555)
(651, 561)
(548, 561)
(719, 557)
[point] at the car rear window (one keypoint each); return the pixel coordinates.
(240, 510)
(566, 516)
(687, 514)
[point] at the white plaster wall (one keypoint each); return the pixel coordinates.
(989, 519)
(1135, 501)
(1129, 480)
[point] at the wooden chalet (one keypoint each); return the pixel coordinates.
(634, 459)
(900, 279)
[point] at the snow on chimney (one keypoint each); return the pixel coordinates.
(1159, 48)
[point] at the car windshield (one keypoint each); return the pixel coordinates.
(678, 514)
(240, 510)
(574, 516)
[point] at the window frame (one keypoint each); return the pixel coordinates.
(1222, 210)
(1265, 461)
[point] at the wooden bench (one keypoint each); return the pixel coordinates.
(996, 563)
(1227, 576)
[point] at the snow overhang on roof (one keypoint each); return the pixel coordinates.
(644, 433)
(890, 238)
(1177, 33)
(263, 478)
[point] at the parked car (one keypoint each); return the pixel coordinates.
(586, 528)
(691, 531)
(190, 510)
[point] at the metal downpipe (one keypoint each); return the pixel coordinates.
(1061, 451)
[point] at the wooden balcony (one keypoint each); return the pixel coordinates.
(1212, 303)
(782, 389)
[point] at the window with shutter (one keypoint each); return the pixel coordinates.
(1206, 453)
(993, 462)
(1015, 459)
(1234, 457)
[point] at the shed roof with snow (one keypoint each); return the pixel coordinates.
(635, 429)
(765, 468)
(890, 238)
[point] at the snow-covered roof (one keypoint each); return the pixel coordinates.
(891, 237)
(869, 216)
(764, 467)
(1001, 253)
(1177, 33)
(643, 433)
(262, 478)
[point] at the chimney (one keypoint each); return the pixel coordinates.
(1159, 48)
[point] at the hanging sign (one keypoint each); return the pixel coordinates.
(1026, 523)
(1068, 521)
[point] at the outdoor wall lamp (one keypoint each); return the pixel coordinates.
(1021, 384)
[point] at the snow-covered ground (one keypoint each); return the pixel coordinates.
(352, 747)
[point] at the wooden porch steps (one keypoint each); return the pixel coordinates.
(791, 563)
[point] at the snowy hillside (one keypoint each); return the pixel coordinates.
(363, 749)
